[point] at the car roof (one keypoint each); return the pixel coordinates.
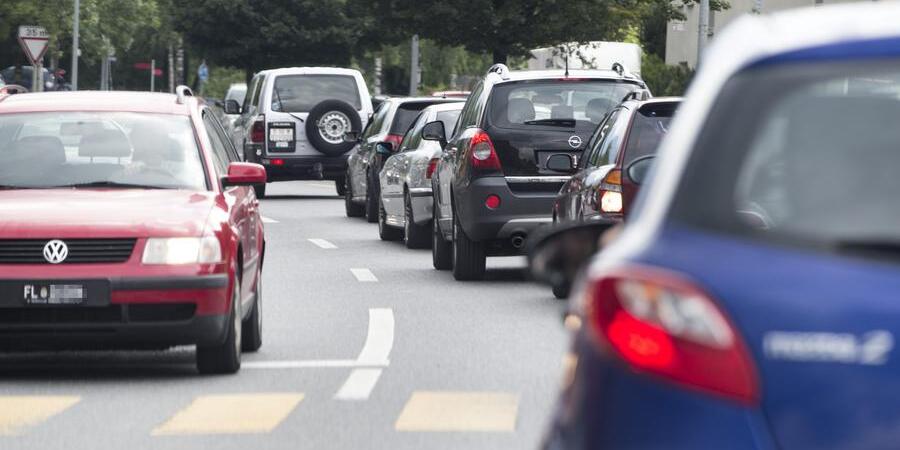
(592, 74)
(311, 71)
(146, 102)
(448, 106)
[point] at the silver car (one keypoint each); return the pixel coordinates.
(405, 204)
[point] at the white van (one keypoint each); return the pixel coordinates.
(293, 122)
(598, 55)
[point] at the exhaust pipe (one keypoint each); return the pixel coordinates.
(518, 241)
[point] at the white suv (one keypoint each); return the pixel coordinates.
(293, 122)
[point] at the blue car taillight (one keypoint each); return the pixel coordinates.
(661, 323)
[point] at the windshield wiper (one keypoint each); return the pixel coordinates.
(112, 184)
(570, 123)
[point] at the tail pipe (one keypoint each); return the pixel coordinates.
(518, 240)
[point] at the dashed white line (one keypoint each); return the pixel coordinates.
(380, 338)
(307, 364)
(359, 385)
(322, 243)
(268, 220)
(364, 275)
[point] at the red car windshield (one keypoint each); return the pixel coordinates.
(99, 149)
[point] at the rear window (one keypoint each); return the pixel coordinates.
(448, 118)
(579, 105)
(650, 124)
(406, 114)
(801, 154)
(300, 93)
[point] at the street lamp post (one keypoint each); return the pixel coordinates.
(75, 46)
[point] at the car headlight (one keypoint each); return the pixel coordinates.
(202, 250)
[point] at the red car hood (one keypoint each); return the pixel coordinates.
(103, 213)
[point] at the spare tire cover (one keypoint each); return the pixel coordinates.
(326, 124)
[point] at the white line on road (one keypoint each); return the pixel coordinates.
(308, 364)
(380, 339)
(268, 220)
(359, 385)
(322, 243)
(364, 275)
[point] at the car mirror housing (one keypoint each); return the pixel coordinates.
(556, 255)
(434, 131)
(244, 174)
(561, 162)
(384, 148)
(232, 107)
(639, 168)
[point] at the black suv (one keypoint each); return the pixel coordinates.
(492, 186)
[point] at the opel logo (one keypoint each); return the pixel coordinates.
(574, 141)
(56, 251)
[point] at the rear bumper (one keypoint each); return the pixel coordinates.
(304, 167)
(142, 313)
(518, 213)
(422, 203)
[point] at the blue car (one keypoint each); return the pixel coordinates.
(754, 300)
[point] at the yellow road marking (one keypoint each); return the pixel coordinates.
(459, 411)
(231, 414)
(17, 413)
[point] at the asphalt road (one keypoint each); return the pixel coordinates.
(365, 346)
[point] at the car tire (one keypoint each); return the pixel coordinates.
(260, 190)
(441, 250)
(385, 231)
(340, 185)
(468, 255)
(352, 209)
(251, 333)
(561, 292)
(372, 196)
(225, 358)
(414, 236)
(339, 117)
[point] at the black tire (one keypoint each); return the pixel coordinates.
(441, 250)
(340, 185)
(372, 195)
(415, 236)
(352, 209)
(561, 292)
(385, 231)
(337, 109)
(225, 358)
(468, 255)
(251, 333)
(260, 190)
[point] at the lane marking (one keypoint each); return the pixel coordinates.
(459, 411)
(309, 364)
(322, 243)
(231, 414)
(20, 412)
(379, 339)
(268, 220)
(359, 385)
(364, 275)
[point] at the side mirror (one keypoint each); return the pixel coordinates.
(560, 162)
(434, 131)
(351, 136)
(639, 168)
(244, 174)
(556, 255)
(384, 148)
(232, 107)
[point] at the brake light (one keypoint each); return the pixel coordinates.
(663, 324)
(484, 157)
(395, 140)
(277, 162)
(258, 130)
(609, 196)
(432, 165)
(492, 202)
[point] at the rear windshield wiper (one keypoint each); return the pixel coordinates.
(569, 123)
(111, 184)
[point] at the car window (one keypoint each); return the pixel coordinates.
(253, 98)
(469, 115)
(413, 137)
(219, 152)
(649, 126)
(448, 118)
(230, 151)
(71, 148)
(807, 155)
(377, 122)
(608, 142)
(236, 93)
(405, 115)
(300, 93)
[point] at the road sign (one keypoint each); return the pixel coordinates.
(34, 41)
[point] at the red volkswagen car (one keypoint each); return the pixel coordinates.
(127, 221)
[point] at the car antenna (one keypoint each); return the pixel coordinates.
(567, 62)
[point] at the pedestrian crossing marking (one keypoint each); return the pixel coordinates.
(231, 414)
(18, 413)
(459, 411)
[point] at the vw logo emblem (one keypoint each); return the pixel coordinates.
(56, 251)
(574, 141)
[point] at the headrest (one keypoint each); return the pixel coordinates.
(562, 112)
(597, 108)
(105, 144)
(43, 149)
(520, 110)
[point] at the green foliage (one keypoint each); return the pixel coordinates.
(664, 80)
(220, 78)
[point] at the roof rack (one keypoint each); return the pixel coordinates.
(183, 91)
(500, 69)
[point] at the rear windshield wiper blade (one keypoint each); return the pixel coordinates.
(570, 123)
(112, 184)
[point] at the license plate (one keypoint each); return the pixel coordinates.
(281, 134)
(54, 293)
